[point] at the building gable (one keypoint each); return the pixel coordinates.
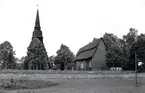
(98, 59)
(87, 51)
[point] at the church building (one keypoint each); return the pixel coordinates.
(92, 56)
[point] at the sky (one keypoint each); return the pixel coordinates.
(73, 23)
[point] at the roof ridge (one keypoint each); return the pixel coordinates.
(83, 50)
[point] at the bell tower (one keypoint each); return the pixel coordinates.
(37, 33)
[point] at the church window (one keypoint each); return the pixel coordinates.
(90, 64)
(82, 65)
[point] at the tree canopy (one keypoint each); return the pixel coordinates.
(114, 49)
(36, 56)
(64, 55)
(7, 53)
(122, 50)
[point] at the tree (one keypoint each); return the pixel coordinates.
(64, 56)
(7, 58)
(36, 56)
(130, 37)
(20, 62)
(52, 60)
(139, 47)
(133, 43)
(110, 39)
(114, 55)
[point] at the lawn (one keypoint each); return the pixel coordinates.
(81, 83)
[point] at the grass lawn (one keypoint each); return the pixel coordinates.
(73, 85)
(116, 85)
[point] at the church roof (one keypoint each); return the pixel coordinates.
(88, 50)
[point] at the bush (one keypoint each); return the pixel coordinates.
(11, 84)
(70, 66)
(56, 67)
(141, 68)
(25, 84)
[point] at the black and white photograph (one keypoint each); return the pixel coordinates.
(72, 46)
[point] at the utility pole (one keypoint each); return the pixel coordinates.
(135, 55)
(136, 63)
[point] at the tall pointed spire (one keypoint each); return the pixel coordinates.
(37, 22)
(37, 33)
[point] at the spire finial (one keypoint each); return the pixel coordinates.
(37, 6)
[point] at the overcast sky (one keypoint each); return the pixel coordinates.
(71, 22)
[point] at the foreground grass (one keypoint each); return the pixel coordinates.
(11, 71)
(90, 86)
(86, 82)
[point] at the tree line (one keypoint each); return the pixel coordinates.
(120, 53)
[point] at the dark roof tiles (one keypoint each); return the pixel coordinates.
(89, 46)
(88, 50)
(86, 54)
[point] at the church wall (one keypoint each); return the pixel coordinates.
(98, 60)
(88, 65)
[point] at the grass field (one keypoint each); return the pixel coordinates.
(61, 72)
(81, 83)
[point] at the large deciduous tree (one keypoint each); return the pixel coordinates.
(139, 47)
(130, 43)
(36, 56)
(64, 56)
(7, 58)
(115, 52)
